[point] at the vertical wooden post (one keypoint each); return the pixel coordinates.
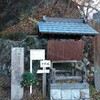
(44, 64)
(96, 22)
(97, 62)
(44, 83)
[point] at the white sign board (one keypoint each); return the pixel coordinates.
(37, 54)
(45, 63)
(43, 71)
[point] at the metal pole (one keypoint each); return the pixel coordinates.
(31, 72)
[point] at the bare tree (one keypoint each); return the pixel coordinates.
(87, 7)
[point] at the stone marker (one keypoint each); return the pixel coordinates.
(17, 69)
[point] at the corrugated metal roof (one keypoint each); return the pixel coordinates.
(65, 50)
(66, 28)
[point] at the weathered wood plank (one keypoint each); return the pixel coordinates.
(96, 21)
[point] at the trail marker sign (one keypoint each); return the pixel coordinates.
(44, 64)
(36, 54)
(43, 71)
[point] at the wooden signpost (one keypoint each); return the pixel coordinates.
(43, 71)
(44, 64)
(36, 54)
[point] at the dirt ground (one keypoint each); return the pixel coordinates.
(5, 91)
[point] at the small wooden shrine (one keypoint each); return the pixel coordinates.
(65, 55)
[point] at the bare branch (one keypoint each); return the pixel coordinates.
(69, 2)
(89, 6)
(54, 5)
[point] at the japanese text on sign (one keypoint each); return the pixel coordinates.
(45, 63)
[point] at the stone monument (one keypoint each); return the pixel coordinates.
(17, 69)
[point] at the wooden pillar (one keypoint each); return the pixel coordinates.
(96, 22)
(44, 84)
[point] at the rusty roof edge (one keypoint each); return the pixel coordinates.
(86, 34)
(66, 61)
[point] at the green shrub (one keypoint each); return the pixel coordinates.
(92, 90)
(17, 36)
(28, 79)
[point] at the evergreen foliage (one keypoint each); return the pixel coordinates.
(28, 79)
